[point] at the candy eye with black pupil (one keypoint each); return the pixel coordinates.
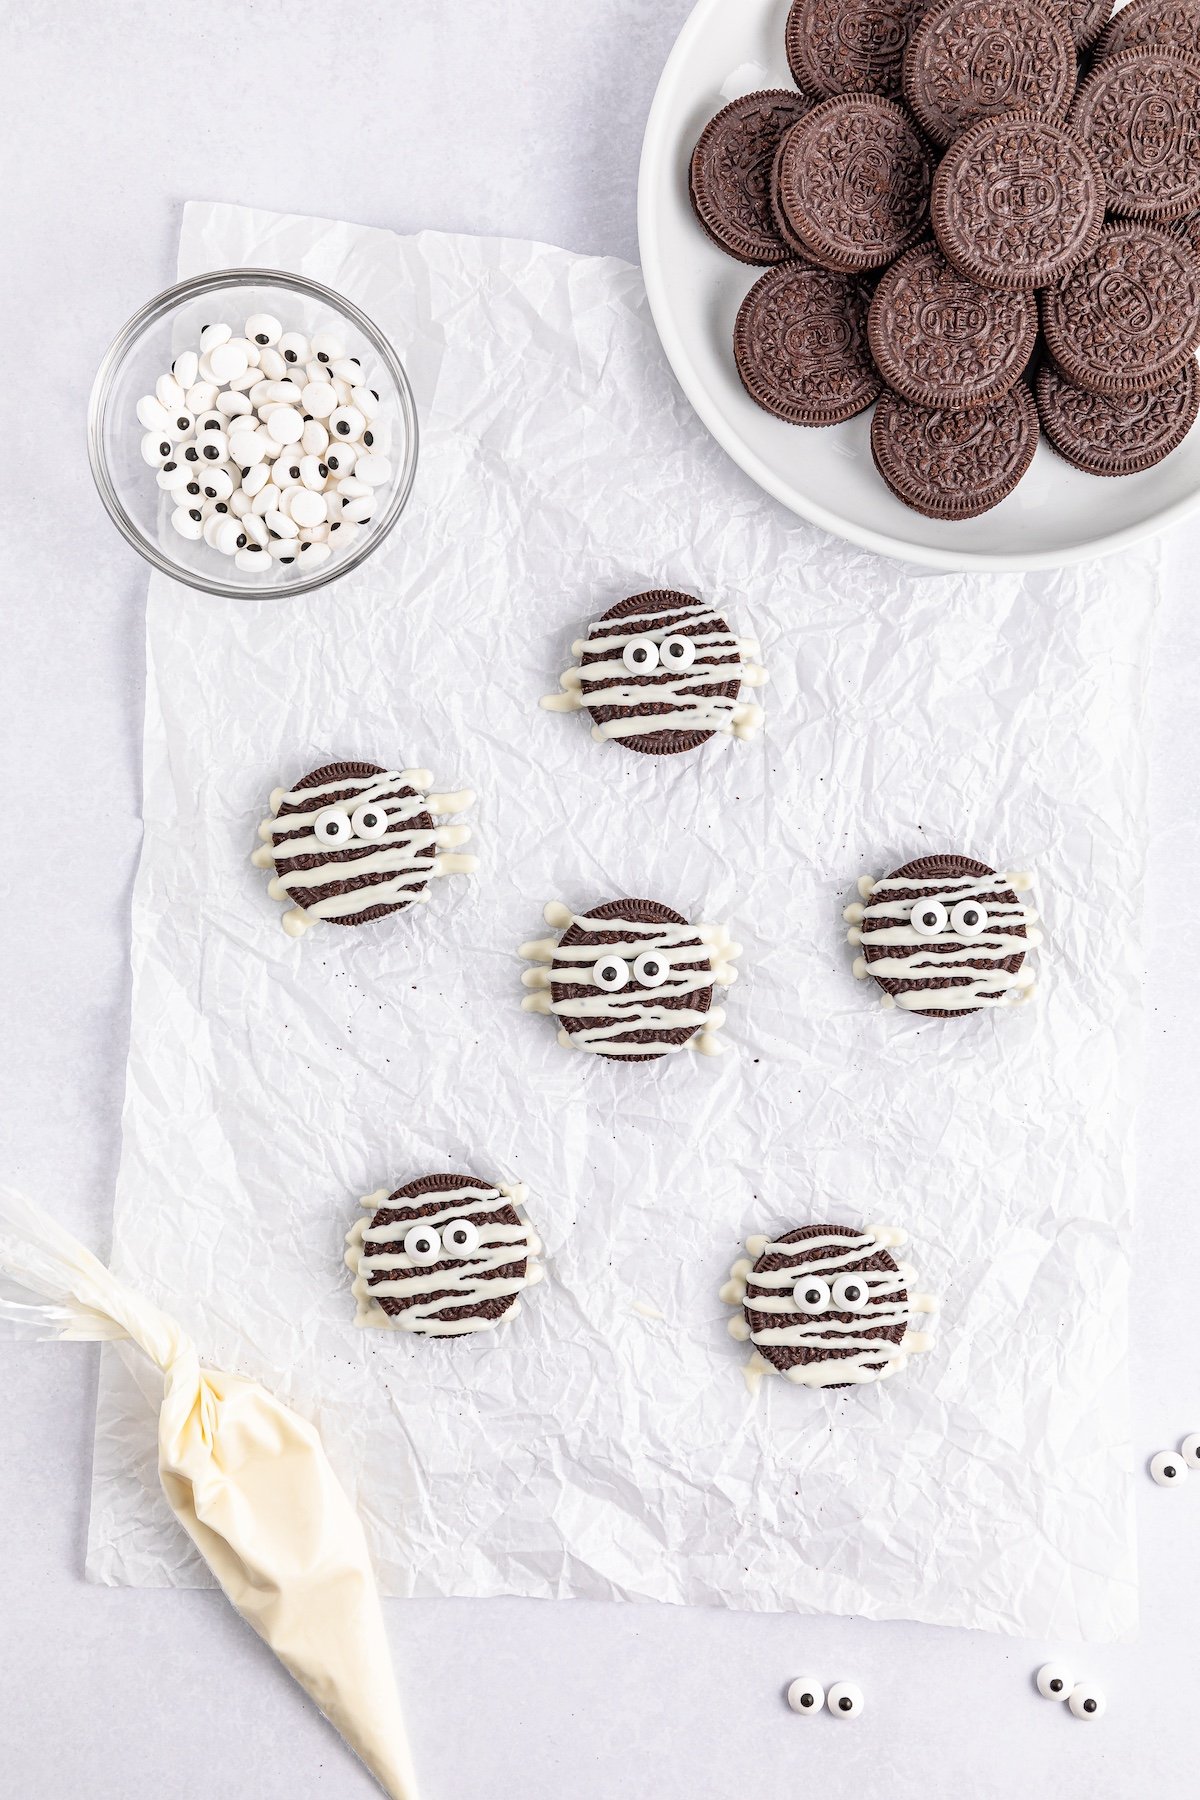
(333, 826)
(460, 1238)
(811, 1294)
(928, 918)
(969, 919)
(640, 656)
(1190, 1450)
(677, 653)
(422, 1245)
(850, 1294)
(611, 973)
(844, 1700)
(651, 969)
(1054, 1682)
(1086, 1701)
(1168, 1468)
(370, 822)
(805, 1697)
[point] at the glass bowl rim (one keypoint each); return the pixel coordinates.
(158, 308)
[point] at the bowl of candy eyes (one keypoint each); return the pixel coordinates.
(253, 434)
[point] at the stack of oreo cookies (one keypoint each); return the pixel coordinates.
(983, 215)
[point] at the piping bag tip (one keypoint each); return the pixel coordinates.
(249, 1481)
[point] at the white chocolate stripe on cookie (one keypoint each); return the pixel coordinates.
(459, 1203)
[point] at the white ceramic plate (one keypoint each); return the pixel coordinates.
(1057, 515)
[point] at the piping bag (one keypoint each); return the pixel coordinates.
(247, 1479)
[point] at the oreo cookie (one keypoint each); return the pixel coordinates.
(1128, 318)
(852, 183)
(849, 46)
(1116, 435)
(975, 59)
(730, 174)
(945, 935)
(630, 980)
(1152, 25)
(1017, 201)
(827, 1306)
(444, 1256)
(353, 842)
(1138, 112)
(800, 344)
(941, 340)
(954, 464)
(1087, 19)
(662, 673)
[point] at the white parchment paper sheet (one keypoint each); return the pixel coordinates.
(604, 1444)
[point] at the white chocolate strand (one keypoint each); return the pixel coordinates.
(720, 658)
(398, 862)
(467, 1281)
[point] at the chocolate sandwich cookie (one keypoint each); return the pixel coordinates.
(1087, 19)
(662, 673)
(944, 935)
(954, 465)
(852, 182)
(1128, 318)
(1188, 231)
(1120, 435)
(1017, 201)
(800, 344)
(730, 175)
(941, 340)
(1153, 25)
(827, 1305)
(353, 842)
(445, 1256)
(1138, 112)
(849, 46)
(975, 59)
(630, 980)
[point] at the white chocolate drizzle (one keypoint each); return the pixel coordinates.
(461, 1281)
(770, 1292)
(920, 957)
(399, 863)
(684, 694)
(700, 957)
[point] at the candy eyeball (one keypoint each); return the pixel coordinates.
(1054, 1682)
(928, 918)
(651, 969)
(1190, 1450)
(640, 656)
(370, 822)
(293, 346)
(1086, 1701)
(677, 652)
(460, 1238)
(969, 919)
(850, 1294)
(844, 1700)
(1169, 1468)
(327, 348)
(347, 422)
(214, 447)
(216, 484)
(611, 973)
(805, 1696)
(422, 1245)
(263, 329)
(333, 826)
(156, 449)
(811, 1294)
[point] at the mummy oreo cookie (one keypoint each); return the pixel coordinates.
(353, 842)
(827, 1306)
(662, 673)
(630, 980)
(444, 1256)
(945, 935)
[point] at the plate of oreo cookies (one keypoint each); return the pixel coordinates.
(929, 270)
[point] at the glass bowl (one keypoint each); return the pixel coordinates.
(145, 349)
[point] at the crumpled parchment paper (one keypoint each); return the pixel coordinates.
(604, 1443)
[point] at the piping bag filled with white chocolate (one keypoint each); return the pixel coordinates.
(247, 1479)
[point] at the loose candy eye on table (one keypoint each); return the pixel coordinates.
(254, 436)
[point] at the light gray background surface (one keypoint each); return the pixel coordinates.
(521, 117)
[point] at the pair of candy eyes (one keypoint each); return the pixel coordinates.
(930, 918)
(336, 826)
(424, 1244)
(1054, 1682)
(649, 971)
(642, 654)
(848, 1294)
